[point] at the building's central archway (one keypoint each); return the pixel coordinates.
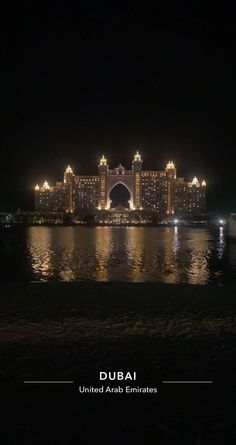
(124, 180)
(131, 179)
(119, 196)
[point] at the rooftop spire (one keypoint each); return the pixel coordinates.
(170, 165)
(137, 157)
(46, 185)
(103, 161)
(69, 169)
(195, 181)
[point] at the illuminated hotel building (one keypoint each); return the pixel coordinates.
(160, 192)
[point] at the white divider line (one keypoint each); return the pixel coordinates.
(49, 381)
(187, 381)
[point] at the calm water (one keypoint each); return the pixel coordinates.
(169, 255)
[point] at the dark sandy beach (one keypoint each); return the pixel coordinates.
(71, 331)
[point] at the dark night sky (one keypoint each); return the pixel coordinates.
(82, 79)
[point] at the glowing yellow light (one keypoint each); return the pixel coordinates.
(36, 187)
(170, 165)
(46, 185)
(203, 183)
(137, 156)
(195, 181)
(103, 161)
(69, 169)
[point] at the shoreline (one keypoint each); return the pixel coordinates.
(119, 294)
(191, 225)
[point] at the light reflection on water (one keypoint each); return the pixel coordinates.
(169, 255)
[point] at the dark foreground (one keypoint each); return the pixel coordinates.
(61, 331)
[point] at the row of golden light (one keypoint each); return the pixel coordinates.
(169, 166)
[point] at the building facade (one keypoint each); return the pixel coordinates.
(161, 192)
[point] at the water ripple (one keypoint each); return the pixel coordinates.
(169, 255)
